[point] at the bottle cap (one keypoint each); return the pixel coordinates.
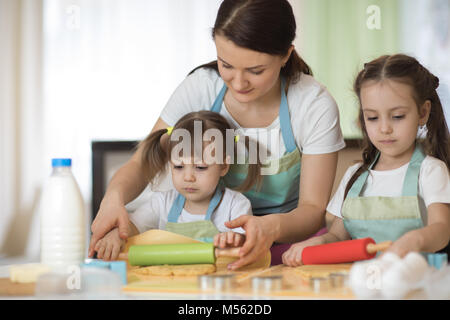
(61, 162)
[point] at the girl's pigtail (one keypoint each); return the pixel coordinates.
(254, 177)
(154, 154)
(437, 141)
(368, 156)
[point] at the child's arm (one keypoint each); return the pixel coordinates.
(431, 238)
(229, 239)
(336, 232)
(239, 206)
(109, 247)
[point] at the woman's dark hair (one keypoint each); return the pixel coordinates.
(266, 26)
(155, 154)
(408, 70)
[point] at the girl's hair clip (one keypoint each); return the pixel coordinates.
(169, 130)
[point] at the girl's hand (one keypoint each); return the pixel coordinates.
(111, 215)
(229, 239)
(293, 256)
(410, 241)
(108, 248)
(259, 237)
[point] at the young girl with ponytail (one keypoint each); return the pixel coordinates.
(401, 190)
(198, 150)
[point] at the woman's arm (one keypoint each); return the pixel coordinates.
(431, 238)
(126, 184)
(316, 183)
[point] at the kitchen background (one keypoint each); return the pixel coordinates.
(75, 71)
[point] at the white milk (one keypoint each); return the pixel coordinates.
(63, 224)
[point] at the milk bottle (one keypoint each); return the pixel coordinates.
(63, 224)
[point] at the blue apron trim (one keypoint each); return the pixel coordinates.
(176, 209)
(217, 105)
(273, 191)
(178, 204)
(285, 121)
(214, 203)
(381, 230)
(259, 204)
(410, 182)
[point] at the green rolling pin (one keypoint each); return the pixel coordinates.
(183, 253)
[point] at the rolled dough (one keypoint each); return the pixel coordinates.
(174, 270)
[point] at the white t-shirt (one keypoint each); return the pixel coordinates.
(313, 111)
(434, 185)
(153, 214)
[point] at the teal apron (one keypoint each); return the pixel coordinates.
(279, 191)
(384, 218)
(203, 230)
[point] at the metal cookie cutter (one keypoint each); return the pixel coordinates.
(267, 284)
(319, 284)
(338, 280)
(216, 283)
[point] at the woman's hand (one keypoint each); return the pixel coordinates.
(108, 248)
(229, 239)
(260, 234)
(293, 256)
(111, 215)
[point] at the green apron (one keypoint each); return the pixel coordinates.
(203, 230)
(280, 190)
(384, 218)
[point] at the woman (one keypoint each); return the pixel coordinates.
(260, 85)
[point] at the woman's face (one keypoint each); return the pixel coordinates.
(248, 74)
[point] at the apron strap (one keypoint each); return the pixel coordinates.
(411, 181)
(215, 201)
(358, 185)
(285, 120)
(176, 208)
(217, 105)
(180, 200)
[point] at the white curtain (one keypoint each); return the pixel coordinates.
(110, 67)
(21, 131)
(73, 71)
(425, 34)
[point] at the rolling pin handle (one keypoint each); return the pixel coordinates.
(228, 252)
(122, 256)
(373, 248)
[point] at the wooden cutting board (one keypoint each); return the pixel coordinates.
(8, 288)
(295, 280)
(294, 284)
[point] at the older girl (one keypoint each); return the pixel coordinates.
(401, 190)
